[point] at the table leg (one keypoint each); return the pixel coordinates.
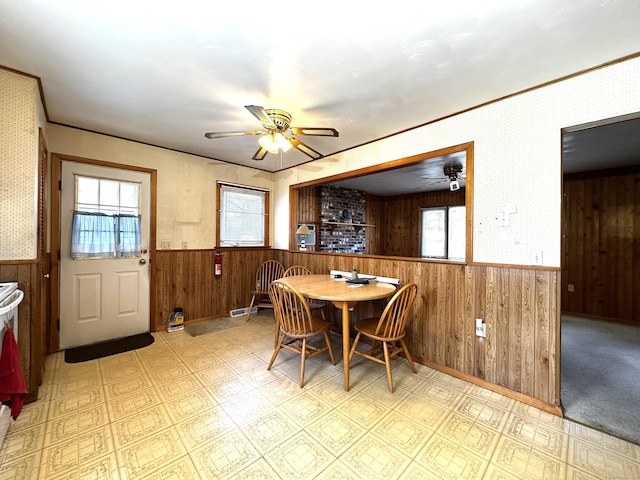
(345, 343)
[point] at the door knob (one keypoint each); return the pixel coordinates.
(143, 261)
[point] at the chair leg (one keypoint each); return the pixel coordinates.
(275, 343)
(353, 347)
(303, 360)
(408, 355)
(253, 299)
(327, 338)
(275, 353)
(387, 363)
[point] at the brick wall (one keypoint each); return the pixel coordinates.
(342, 238)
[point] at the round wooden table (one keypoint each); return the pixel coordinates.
(344, 296)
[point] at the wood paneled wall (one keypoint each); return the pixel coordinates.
(374, 216)
(601, 245)
(31, 329)
(520, 307)
(308, 205)
(185, 279)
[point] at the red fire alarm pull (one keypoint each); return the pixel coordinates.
(218, 265)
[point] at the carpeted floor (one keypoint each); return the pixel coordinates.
(600, 375)
(104, 349)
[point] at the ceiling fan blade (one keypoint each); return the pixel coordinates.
(261, 114)
(232, 134)
(260, 154)
(306, 149)
(324, 132)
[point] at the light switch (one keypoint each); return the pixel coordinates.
(536, 257)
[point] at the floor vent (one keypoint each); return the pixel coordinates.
(239, 312)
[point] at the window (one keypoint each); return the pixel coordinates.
(243, 216)
(106, 220)
(444, 232)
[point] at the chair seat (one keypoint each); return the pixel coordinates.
(368, 327)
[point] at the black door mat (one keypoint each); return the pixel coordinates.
(104, 349)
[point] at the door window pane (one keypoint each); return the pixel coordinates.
(129, 195)
(87, 190)
(109, 193)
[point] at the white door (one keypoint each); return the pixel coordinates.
(102, 298)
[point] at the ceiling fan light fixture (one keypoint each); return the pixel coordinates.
(274, 142)
(269, 144)
(282, 142)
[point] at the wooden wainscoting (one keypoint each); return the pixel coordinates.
(31, 329)
(185, 279)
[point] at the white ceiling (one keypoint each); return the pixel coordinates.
(164, 73)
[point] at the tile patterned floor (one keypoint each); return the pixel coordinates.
(207, 408)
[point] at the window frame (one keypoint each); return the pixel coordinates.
(447, 232)
(219, 192)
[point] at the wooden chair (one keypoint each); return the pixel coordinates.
(297, 325)
(388, 330)
(302, 270)
(267, 272)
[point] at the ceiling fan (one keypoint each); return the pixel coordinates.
(453, 172)
(278, 134)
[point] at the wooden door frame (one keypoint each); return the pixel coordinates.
(56, 172)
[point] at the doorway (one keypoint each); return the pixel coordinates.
(98, 299)
(600, 214)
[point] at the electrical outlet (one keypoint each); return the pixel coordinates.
(166, 245)
(185, 244)
(570, 287)
(481, 328)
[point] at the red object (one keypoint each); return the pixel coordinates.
(218, 265)
(13, 388)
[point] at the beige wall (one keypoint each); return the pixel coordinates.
(517, 159)
(186, 183)
(19, 119)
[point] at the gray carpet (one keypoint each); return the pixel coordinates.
(210, 326)
(600, 375)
